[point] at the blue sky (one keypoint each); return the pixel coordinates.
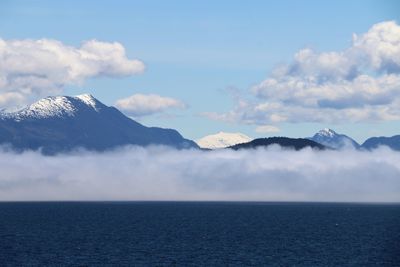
(206, 54)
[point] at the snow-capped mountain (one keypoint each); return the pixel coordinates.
(330, 138)
(61, 123)
(56, 106)
(222, 140)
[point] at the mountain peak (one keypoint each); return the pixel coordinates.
(62, 123)
(85, 96)
(49, 107)
(327, 132)
(222, 140)
(330, 138)
(89, 100)
(56, 106)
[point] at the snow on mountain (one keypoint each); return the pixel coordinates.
(89, 100)
(330, 138)
(326, 132)
(55, 106)
(222, 140)
(64, 123)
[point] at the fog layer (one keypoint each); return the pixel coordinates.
(160, 173)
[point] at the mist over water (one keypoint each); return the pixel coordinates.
(160, 173)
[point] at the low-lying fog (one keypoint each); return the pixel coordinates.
(159, 173)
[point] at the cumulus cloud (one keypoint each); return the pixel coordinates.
(381, 46)
(159, 173)
(35, 68)
(360, 83)
(141, 105)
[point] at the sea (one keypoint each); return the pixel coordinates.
(199, 234)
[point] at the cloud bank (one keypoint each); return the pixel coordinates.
(359, 84)
(159, 173)
(30, 69)
(139, 105)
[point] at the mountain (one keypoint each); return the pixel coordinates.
(374, 142)
(62, 123)
(330, 138)
(222, 140)
(285, 142)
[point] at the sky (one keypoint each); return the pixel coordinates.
(263, 68)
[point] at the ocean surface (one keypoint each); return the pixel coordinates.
(198, 234)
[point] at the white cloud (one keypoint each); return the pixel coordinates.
(381, 45)
(158, 173)
(35, 68)
(10, 97)
(361, 83)
(267, 129)
(140, 105)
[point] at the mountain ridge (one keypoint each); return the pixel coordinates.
(55, 106)
(63, 123)
(330, 138)
(284, 142)
(392, 142)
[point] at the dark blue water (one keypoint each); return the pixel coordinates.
(198, 234)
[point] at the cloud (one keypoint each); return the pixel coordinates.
(35, 68)
(360, 83)
(381, 46)
(141, 105)
(267, 129)
(159, 173)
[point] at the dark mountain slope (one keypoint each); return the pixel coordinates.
(374, 142)
(58, 124)
(285, 142)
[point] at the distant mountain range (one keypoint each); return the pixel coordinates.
(323, 139)
(62, 123)
(374, 142)
(330, 138)
(285, 142)
(222, 140)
